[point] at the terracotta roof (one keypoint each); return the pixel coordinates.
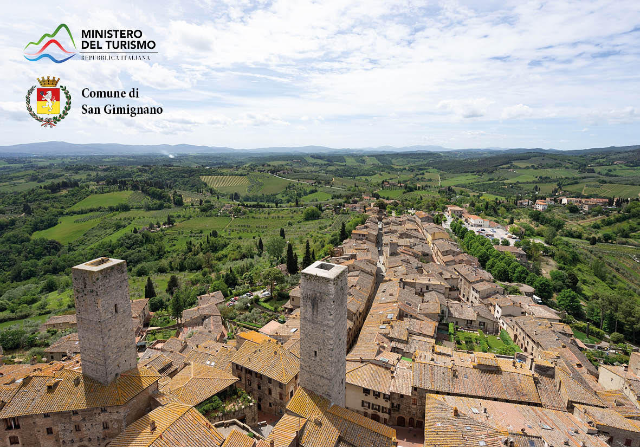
(66, 344)
(197, 382)
(63, 319)
(137, 306)
(445, 425)
(269, 358)
(253, 336)
(67, 390)
(213, 297)
(176, 424)
(608, 418)
(328, 425)
(236, 438)
(286, 430)
(554, 427)
(370, 376)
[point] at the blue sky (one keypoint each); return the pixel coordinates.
(246, 74)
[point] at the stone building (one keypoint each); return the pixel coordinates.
(268, 371)
(323, 321)
(63, 322)
(103, 311)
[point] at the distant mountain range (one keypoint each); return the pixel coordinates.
(101, 149)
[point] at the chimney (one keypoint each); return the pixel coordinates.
(455, 411)
(152, 425)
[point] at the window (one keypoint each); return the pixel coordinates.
(269, 404)
(280, 396)
(115, 307)
(375, 407)
(386, 396)
(103, 409)
(259, 386)
(366, 391)
(105, 425)
(269, 391)
(376, 394)
(469, 322)
(74, 412)
(248, 382)
(481, 324)
(280, 386)
(414, 401)
(13, 440)
(269, 380)
(291, 394)
(49, 431)
(627, 442)
(315, 353)
(366, 404)
(77, 427)
(12, 423)
(46, 415)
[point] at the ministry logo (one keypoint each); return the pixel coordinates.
(48, 102)
(55, 47)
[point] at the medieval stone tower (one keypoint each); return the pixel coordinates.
(103, 309)
(323, 329)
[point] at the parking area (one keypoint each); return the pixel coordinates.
(485, 231)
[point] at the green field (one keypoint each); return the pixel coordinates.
(69, 228)
(222, 183)
(103, 200)
(316, 197)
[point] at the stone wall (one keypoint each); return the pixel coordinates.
(103, 309)
(323, 325)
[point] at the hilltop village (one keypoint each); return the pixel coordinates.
(399, 338)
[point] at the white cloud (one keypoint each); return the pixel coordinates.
(466, 108)
(515, 112)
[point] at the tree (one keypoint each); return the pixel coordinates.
(569, 301)
(307, 260)
(311, 214)
(176, 307)
(544, 288)
(231, 279)
(616, 338)
(172, 285)
(260, 246)
(593, 240)
(550, 235)
(149, 290)
(272, 276)
(505, 242)
(292, 262)
(281, 232)
(275, 246)
(343, 232)
(156, 304)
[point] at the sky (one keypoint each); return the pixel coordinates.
(344, 74)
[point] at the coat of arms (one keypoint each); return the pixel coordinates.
(48, 102)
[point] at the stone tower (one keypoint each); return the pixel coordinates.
(103, 309)
(323, 329)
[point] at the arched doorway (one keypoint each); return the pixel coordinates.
(412, 422)
(375, 417)
(400, 421)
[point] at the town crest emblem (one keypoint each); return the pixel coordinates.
(49, 109)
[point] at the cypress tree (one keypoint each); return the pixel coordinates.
(307, 260)
(149, 290)
(292, 264)
(281, 232)
(260, 246)
(343, 232)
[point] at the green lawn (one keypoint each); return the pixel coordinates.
(103, 200)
